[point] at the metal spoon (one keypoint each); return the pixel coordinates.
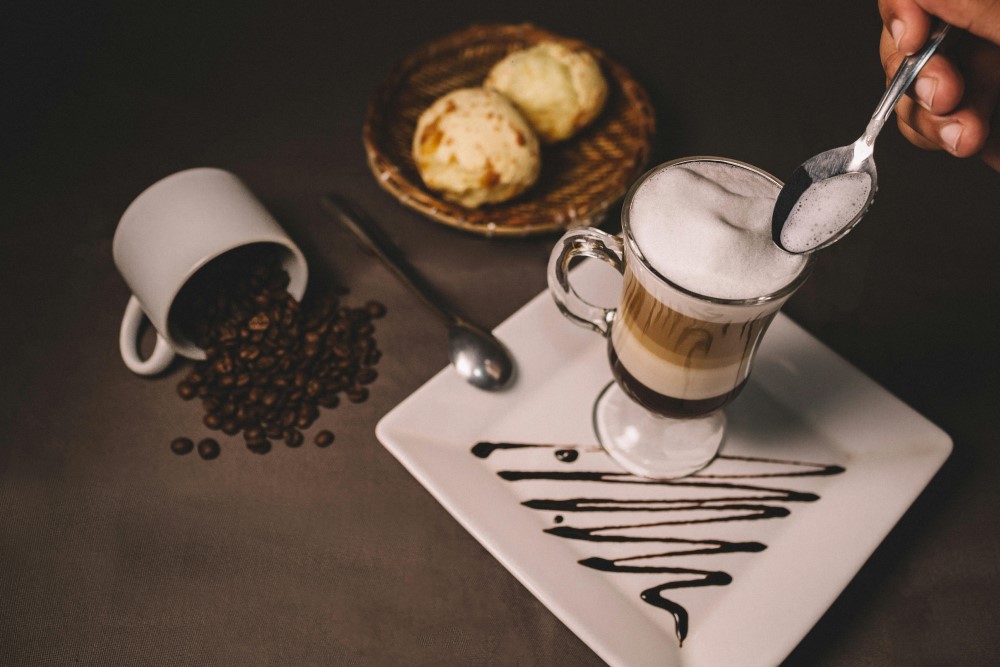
(839, 184)
(476, 354)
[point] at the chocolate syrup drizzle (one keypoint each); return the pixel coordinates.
(739, 502)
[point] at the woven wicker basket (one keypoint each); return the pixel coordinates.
(581, 177)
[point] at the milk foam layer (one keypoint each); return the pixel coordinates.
(706, 226)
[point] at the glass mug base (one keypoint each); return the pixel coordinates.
(652, 446)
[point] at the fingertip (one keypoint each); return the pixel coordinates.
(897, 28)
(940, 86)
(909, 27)
(951, 136)
(963, 138)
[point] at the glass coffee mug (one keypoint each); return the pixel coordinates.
(679, 355)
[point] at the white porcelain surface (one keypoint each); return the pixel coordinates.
(803, 405)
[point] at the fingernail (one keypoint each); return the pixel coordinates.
(897, 29)
(950, 135)
(925, 87)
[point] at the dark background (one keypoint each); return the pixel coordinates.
(115, 551)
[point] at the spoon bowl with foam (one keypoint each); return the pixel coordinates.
(828, 194)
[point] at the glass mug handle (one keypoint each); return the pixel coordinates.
(586, 242)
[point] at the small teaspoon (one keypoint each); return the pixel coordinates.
(477, 355)
(828, 194)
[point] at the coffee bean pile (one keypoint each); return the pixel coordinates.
(271, 362)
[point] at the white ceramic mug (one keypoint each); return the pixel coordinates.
(175, 227)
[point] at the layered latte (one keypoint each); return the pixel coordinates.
(703, 279)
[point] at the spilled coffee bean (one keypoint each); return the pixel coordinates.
(181, 446)
(271, 363)
(208, 449)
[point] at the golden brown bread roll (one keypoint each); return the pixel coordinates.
(473, 147)
(558, 89)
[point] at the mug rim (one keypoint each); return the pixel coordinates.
(186, 347)
(784, 291)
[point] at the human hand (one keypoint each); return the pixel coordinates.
(955, 98)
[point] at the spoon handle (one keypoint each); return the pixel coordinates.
(374, 240)
(905, 76)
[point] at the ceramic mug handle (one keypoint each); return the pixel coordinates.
(586, 242)
(128, 343)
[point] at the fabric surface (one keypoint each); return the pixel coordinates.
(115, 551)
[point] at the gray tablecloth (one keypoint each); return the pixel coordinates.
(115, 551)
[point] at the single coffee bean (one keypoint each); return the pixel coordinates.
(293, 437)
(329, 400)
(366, 375)
(181, 446)
(324, 438)
(259, 446)
(212, 421)
(259, 322)
(357, 394)
(375, 309)
(208, 449)
(186, 390)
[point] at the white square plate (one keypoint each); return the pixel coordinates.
(819, 463)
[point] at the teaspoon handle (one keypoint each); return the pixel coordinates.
(902, 80)
(375, 241)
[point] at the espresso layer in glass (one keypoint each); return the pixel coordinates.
(667, 406)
